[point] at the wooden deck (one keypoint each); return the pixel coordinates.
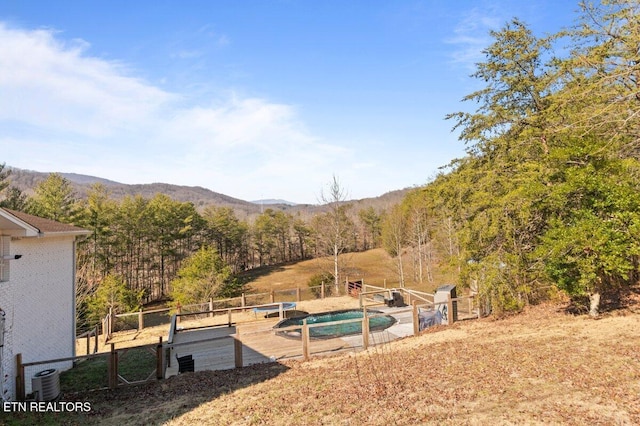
(260, 343)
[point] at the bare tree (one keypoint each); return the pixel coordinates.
(394, 237)
(336, 227)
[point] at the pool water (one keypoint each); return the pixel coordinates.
(337, 330)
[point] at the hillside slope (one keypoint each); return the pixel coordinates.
(27, 180)
(541, 367)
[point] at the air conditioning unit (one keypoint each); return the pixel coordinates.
(45, 385)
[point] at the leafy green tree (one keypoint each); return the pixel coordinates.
(592, 244)
(15, 199)
(204, 275)
(599, 78)
(54, 199)
(502, 178)
(98, 216)
(303, 235)
(112, 294)
(513, 106)
(228, 234)
(547, 190)
(315, 284)
(264, 237)
(372, 227)
(4, 177)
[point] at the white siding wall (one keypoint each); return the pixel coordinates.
(7, 362)
(40, 307)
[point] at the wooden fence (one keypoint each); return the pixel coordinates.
(113, 361)
(136, 320)
(163, 351)
(239, 340)
(88, 335)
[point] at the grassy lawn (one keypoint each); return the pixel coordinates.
(80, 383)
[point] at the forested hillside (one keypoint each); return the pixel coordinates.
(548, 193)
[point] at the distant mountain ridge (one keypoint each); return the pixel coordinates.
(27, 180)
(272, 201)
(88, 180)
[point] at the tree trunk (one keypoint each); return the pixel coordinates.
(594, 304)
(336, 278)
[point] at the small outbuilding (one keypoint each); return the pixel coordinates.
(37, 294)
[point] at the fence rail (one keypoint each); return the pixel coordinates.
(113, 375)
(138, 320)
(370, 296)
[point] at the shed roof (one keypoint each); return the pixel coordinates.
(17, 223)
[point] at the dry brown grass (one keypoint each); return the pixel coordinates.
(541, 367)
(374, 266)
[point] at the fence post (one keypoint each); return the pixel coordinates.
(272, 297)
(237, 349)
(365, 329)
(178, 312)
(415, 318)
(140, 320)
(305, 340)
(297, 294)
(408, 293)
(20, 389)
(88, 342)
(95, 344)
(159, 361)
(243, 300)
(112, 319)
(210, 307)
(280, 311)
(449, 309)
(229, 318)
(112, 368)
(322, 290)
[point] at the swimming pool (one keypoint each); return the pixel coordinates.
(376, 323)
(286, 306)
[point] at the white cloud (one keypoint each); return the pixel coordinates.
(65, 110)
(471, 35)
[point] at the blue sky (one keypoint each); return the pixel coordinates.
(252, 99)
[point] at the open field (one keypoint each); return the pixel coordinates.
(541, 367)
(374, 266)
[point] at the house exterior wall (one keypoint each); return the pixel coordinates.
(38, 301)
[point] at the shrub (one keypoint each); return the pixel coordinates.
(315, 284)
